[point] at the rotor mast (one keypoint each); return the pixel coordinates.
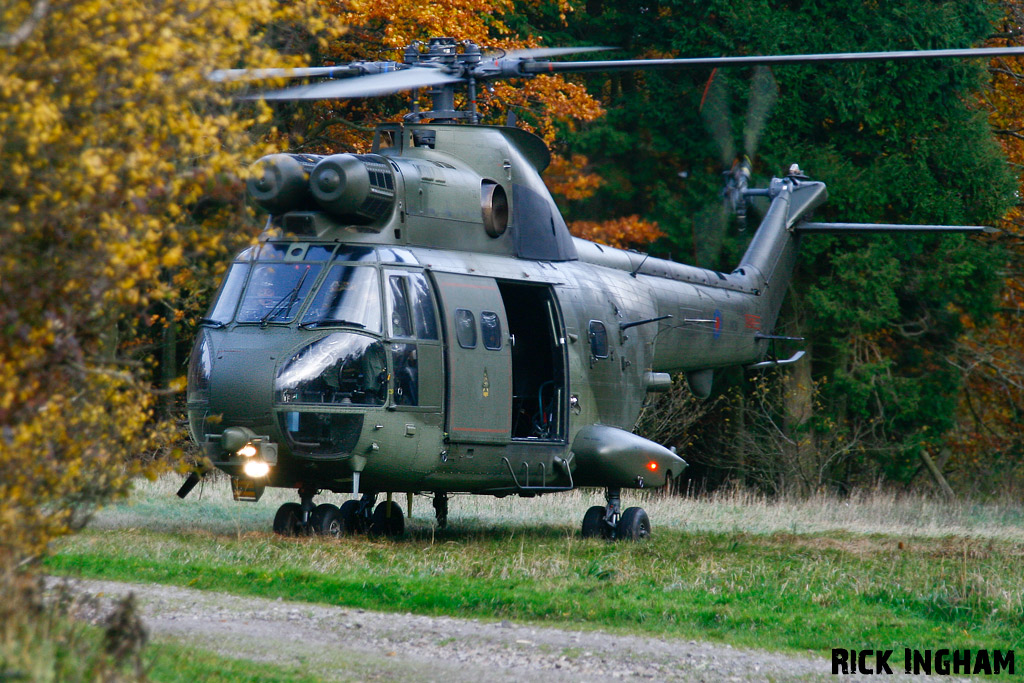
(443, 53)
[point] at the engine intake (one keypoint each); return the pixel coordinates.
(281, 182)
(354, 188)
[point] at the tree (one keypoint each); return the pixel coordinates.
(112, 142)
(986, 449)
(894, 141)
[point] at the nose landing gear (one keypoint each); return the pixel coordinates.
(353, 517)
(607, 522)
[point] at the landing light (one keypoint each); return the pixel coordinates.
(247, 451)
(257, 469)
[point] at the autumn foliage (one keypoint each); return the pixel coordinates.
(989, 436)
(112, 141)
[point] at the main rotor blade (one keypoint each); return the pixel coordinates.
(365, 86)
(767, 60)
(535, 52)
(222, 75)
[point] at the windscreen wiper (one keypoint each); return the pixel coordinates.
(290, 297)
(331, 321)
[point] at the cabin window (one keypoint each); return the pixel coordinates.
(348, 296)
(230, 292)
(490, 330)
(598, 339)
(465, 328)
(276, 291)
(340, 369)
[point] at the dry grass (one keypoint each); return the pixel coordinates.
(154, 506)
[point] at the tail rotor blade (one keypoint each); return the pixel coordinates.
(764, 93)
(709, 227)
(714, 108)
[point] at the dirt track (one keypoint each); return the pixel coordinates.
(346, 644)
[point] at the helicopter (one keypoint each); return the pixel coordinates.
(419, 320)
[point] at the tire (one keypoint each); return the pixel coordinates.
(593, 523)
(633, 525)
(288, 520)
(351, 524)
(385, 525)
(326, 521)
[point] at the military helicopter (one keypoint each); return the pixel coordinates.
(419, 319)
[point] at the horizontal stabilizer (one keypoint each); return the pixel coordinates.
(811, 227)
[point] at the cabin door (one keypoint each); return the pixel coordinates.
(479, 376)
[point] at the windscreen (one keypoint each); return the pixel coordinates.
(349, 296)
(276, 291)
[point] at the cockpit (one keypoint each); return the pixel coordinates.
(363, 323)
(270, 284)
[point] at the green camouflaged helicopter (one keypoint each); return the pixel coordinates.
(419, 319)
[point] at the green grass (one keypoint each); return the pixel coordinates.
(777, 575)
(172, 663)
(778, 591)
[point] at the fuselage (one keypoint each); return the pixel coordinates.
(439, 330)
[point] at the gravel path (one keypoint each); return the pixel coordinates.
(342, 644)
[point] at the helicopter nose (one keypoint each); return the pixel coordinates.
(242, 383)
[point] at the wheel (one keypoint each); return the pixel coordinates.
(593, 523)
(326, 521)
(385, 524)
(350, 521)
(288, 520)
(633, 525)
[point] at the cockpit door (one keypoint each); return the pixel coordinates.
(479, 406)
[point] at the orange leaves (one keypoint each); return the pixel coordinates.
(569, 177)
(380, 28)
(990, 426)
(625, 232)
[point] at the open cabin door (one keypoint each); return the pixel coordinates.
(479, 359)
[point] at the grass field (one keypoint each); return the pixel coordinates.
(874, 571)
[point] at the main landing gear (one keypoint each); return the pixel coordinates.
(353, 517)
(607, 522)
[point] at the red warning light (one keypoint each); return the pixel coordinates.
(652, 466)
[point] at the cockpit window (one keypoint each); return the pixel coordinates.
(348, 296)
(411, 306)
(355, 253)
(276, 291)
(319, 253)
(272, 252)
(340, 369)
(224, 307)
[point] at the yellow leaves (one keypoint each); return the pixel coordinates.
(111, 139)
(172, 257)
